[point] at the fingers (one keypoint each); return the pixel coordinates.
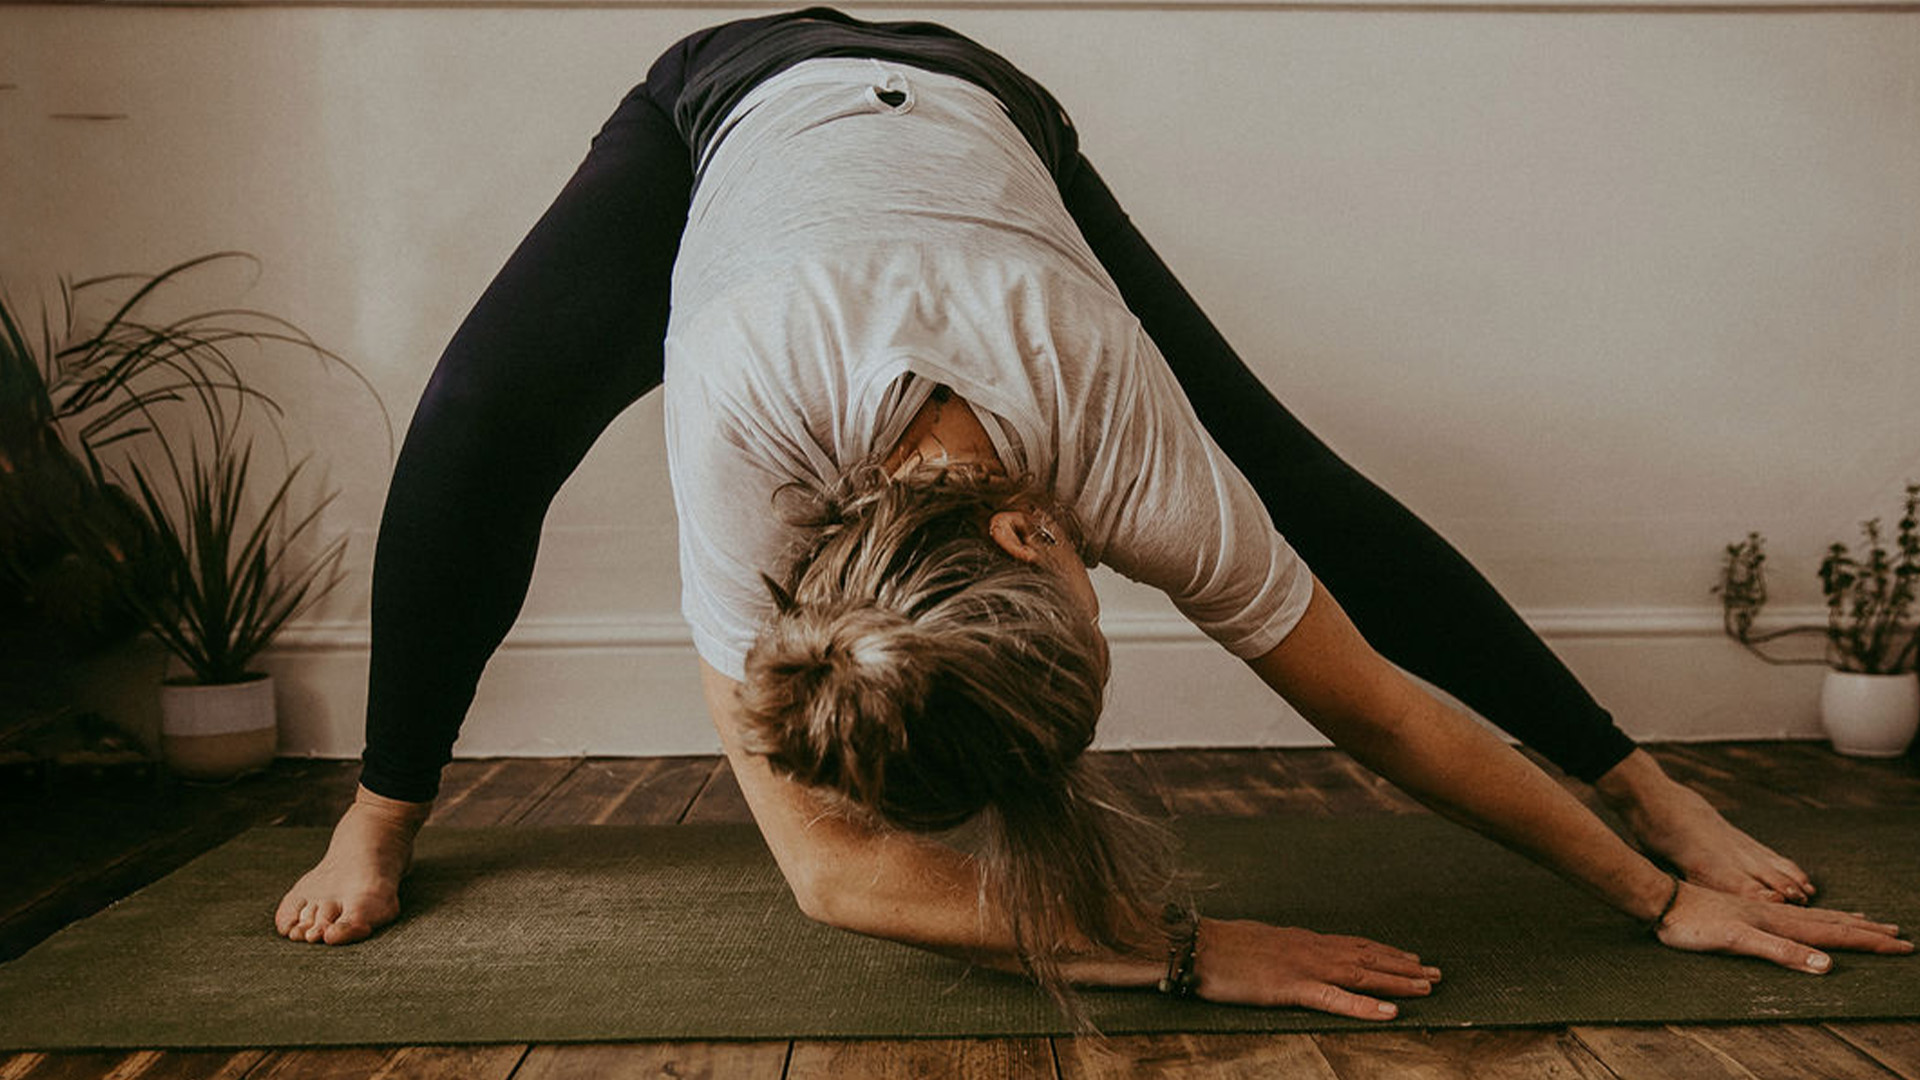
(1752, 941)
(1410, 969)
(1386, 958)
(1791, 937)
(1255, 964)
(1840, 930)
(1373, 981)
(1327, 998)
(1353, 968)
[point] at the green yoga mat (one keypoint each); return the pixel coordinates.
(686, 932)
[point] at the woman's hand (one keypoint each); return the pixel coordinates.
(1703, 920)
(1251, 963)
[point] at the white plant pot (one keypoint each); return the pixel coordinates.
(218, 732)
(1870, 715)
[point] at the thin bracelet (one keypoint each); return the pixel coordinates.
(1182, 924)
(1653, 924)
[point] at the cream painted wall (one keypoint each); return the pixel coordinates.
(1593, 291)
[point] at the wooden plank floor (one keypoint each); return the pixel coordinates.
(75, 848)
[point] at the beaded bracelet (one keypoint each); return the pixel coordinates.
(1182, 925)
(1653, 924)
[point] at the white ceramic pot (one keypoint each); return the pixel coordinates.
(1870, 715)
(218, 732)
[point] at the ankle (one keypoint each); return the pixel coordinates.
(390, 817)
(1636, 783)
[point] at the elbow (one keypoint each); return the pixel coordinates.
(815, 903)
(824, 898)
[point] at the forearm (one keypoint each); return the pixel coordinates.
(889, 884)
(1463, 771)
(916, 891)
(1449, 762)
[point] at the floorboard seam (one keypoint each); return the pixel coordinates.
(539, 798)
(706, 784)
(1862, 1054)
(1890, 1066)
(613, 803)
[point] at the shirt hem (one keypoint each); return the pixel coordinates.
(1278, 628)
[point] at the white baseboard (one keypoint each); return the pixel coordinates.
(631, 687)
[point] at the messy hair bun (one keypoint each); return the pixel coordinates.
(924, 676)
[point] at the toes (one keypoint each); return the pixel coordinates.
(324, 914)
(345, 932)
(1783, 887)
(350, 927)
(288, 913)
(1749, 886)
(301, 923)
(1799, 879)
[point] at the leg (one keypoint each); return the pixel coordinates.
(1415, 598)
(568, 335)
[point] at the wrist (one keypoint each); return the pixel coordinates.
(1659, 918)
(1652, 898)
(1182, 926)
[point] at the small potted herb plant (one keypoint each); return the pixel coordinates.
(1870, 702)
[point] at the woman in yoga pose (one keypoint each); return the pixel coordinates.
(920, 372)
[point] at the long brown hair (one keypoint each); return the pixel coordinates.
(927, 678)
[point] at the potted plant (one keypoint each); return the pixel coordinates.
(1870, 702)
(228, 580)
(131, 470)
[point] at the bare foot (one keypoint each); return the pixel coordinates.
(1675, 822)
(355, 889)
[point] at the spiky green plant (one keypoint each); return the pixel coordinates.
(1870, 626)
(230, 578)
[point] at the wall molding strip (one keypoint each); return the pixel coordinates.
(669, 632)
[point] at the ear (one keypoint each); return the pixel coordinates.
(1018, 534)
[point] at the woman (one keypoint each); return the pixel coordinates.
(905, 312)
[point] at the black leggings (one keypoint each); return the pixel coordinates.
(570, 333)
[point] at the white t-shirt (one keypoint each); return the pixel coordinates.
(842, 256)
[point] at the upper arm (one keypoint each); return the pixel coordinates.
(726, 477)
(845, 872)
(809, 838)
(1174, 512)
(1326, 669)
